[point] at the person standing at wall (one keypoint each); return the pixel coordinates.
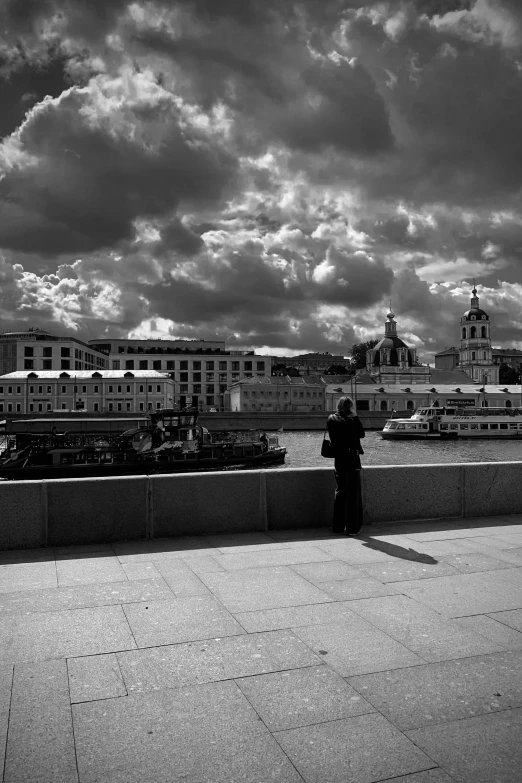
(345, 430)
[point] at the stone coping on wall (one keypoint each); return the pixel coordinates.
(98, 510)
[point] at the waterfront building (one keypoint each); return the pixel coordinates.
(38, 349)
(202, 371)
(399, 397)
(101, 391)
(278, 393)
(392, 361)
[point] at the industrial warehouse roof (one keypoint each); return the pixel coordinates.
(83, 375)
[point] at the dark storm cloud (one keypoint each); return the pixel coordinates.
(88, 167)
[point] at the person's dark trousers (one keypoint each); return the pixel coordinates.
(347, 514)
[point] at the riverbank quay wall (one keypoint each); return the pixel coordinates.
(69, 512)
(236, 421)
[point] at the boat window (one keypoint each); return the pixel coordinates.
(454, 426)
(473, 426)
(484, 426)
(444, 426)
(424, 426)
(400, 426)
(411, 427)
(392, 426)
(503, 426)
(494, 426)
(512, 426)
(463, 426)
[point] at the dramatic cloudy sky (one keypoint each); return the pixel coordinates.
(269, 172)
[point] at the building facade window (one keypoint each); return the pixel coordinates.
(28, 364)
(144, 365)
(156, 365)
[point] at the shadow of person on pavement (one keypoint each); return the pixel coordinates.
(397, 551)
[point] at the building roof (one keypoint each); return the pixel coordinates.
(507, 351)
(455, 376)
(82, 374)
(477, 312)
(448, 351)
(282, 380)
(442, 390)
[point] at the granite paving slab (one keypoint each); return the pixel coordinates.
(421, 629)
(64, 634)
(471, 562)
(446, 691)
(27, 576)
(180, 620)
(87, 570)
(486, 749)
(42, 554)
(356, 647)
(141, 570)
(211, 660)
(105, 594)
(40, 744)
(181, 578)
(403, 570)
(327, 571)
(361, 749)
(512, 618)
(466, 594)
(273, 557)
(250, 589)
(301, 697)
(202, 564)
(352, 589)
(229, 542)
(354, 551)
(292, 617)
(491, 628)
(505, 555)
(436, 775)
(161, 548)
(95, 677)
(494, 541)
(199, 734)
(6, 681)
(85, 550)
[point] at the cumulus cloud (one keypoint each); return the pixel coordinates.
(267, 173)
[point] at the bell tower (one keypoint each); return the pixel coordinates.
(476, 355)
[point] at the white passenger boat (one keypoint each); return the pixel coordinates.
(454, 422)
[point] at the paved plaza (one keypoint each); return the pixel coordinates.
(286, 657)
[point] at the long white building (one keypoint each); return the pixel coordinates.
(101, 391)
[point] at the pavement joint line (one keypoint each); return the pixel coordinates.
(72, 719)
(8, 722)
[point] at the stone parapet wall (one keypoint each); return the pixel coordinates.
(95, 510)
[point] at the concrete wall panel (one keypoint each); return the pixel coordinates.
(199, 503)
(493, 488)
(22, 520)
(398, 492)
(299, 497)
(96, 510)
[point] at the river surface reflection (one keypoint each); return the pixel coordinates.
(304, 450)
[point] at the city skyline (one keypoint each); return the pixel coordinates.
(263, 173)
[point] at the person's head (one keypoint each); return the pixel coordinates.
(344, 406)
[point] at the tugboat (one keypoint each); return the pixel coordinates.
(453, 422)
(167, 441)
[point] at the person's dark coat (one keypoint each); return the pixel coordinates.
(345, 436)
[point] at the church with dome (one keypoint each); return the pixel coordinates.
(392, 361)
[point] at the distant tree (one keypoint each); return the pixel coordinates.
(508, 374)
(338, 369)
(282, 369)
(358, 353)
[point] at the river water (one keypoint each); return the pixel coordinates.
(304, 450)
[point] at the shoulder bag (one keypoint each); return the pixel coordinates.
(326, 447)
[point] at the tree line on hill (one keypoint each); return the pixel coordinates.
(357, 354)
